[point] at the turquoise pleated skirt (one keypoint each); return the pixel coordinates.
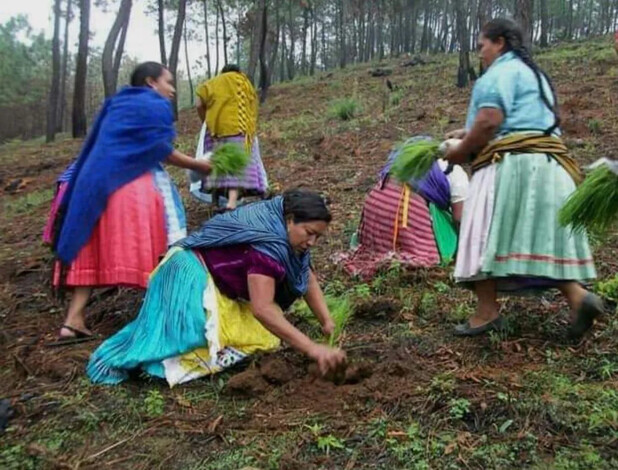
(510, 230)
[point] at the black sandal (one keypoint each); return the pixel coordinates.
(79, 337)
(465, 329)
(591, 308)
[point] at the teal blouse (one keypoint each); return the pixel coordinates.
(510, 85)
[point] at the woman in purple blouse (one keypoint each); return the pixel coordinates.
(219, 295)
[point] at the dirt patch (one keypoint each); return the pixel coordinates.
(378, 309)
(277, 371)
(249, 383)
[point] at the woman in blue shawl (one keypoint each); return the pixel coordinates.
(119, 210)
(219, 296)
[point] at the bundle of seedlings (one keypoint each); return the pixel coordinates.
(415, 159)
(594, 204)
(229, 160)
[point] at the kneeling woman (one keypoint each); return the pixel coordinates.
(414, 223)
(219, 296)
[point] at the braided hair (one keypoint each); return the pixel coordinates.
(513, 39)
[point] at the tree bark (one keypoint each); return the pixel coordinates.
(216, 42)
(462, 35)
(111, 52)
(223, 25)
(254, 48)
(275, 49)
(175, 49)
(544, 41)
(81, 71)
(207, 38)
(314, 41)
(291, 58)
(54, 92)
(342, 39)
(161, 32)
(264, 82)
(523, 16)
(65, 61)
(184, 37)
(304, 44)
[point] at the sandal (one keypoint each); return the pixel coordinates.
(78, 337)
(591, 308)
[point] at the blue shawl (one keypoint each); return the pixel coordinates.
(263, 226)
(132, 134)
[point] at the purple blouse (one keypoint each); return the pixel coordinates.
(230, 266)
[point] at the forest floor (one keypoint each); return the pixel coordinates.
(525, 399)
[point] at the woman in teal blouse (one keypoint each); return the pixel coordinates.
(510, 239)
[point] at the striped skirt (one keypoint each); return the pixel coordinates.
(395, 225)
(253, 182)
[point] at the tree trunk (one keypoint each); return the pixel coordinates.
(264, 83)
(207, 38)
(110, 52)
(314, 41)
(342, 40)
(161, 32)
(223, 25)
(119, 52)
(81, 71)
(462, 35)
(184, 37)
(238, 38)
(523, 16)
(254, 48)
(425, 34)
(216, 42)
(283, 60)
(291, 58)
(54, 92)
(380, 34)
(544, 42)
(304, 46)
(324, 49)
(275, 49)
(175, 49)
(65, 61)
(414, 27)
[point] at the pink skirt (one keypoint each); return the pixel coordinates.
(385, 236)
(127, 242)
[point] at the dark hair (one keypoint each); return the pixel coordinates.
(302, 205)
(146, 70)
(230, 68)
(513, 40)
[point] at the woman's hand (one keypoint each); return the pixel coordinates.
(203, 166)
(456, 134)
(328, 359)
(181, 160)
(328, 327)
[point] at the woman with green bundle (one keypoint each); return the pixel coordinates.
(510, 237)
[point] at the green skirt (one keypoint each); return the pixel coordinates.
(510, 232)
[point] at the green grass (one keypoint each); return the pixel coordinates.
(345, 109)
